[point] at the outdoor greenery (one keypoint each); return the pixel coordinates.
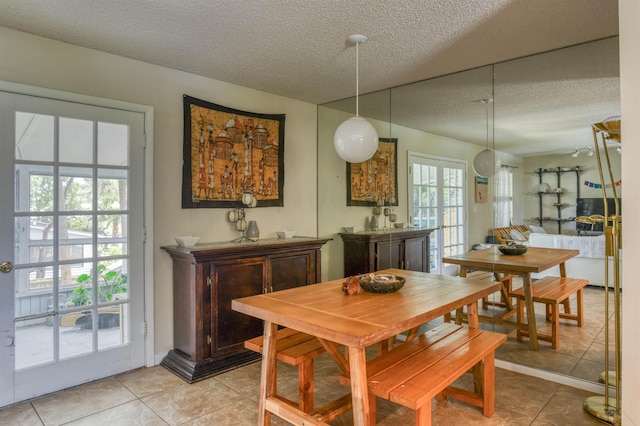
(110, 282)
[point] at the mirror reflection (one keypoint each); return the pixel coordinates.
(539, 124)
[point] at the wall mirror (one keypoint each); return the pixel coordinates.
(542, 113)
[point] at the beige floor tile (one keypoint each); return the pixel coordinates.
(131, 413)
(457, 413)
(522, 394)
(188, 402)
(565, 409)
(146, 381)
(588, 370)
(81, 401)
(22, 414)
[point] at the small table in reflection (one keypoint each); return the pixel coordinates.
(536, 259)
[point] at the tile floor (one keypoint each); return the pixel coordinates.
(155, 396)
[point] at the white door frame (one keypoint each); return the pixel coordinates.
(148, 113)
(464, 164)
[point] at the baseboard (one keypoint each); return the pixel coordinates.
(597, 388)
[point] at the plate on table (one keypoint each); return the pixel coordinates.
(381, 283)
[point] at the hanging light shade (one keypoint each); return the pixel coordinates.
(356, 140)
(486, 163)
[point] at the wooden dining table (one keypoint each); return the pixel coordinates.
(356, 322)
(536, 259)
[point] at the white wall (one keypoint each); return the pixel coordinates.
(629, 11)
(46, 63)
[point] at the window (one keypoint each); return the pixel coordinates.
(503, 197)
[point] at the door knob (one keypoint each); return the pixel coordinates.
(6, 267)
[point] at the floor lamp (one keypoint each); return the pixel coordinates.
(605, 408)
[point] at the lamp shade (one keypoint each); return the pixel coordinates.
(486, 163)
(355, 140)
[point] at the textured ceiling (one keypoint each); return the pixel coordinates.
(298, 49)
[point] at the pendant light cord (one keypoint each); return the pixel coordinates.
(357, 73)
(487, 114)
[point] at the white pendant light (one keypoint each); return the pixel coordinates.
(356, 140)
(486, 163)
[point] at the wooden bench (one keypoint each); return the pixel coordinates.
(413, 373)
(503, 234)
(295, 348)
(552, 291)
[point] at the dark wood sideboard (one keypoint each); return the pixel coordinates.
(366, 252)
(208, 336)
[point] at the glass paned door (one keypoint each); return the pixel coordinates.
(77, 236)
(437, 200)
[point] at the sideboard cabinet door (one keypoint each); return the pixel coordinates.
(233, 279)
(388, 254)
(416, 254)
(292, 270)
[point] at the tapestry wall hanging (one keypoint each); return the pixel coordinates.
(375, 181)
(229, 153)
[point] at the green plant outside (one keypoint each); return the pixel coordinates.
(109, 283)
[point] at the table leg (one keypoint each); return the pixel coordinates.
(474, 322)
(359, 391)
(531, 314)
(463, 271)
(472, 315)
(267, 372)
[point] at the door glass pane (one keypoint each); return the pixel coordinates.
(113, 326)
(34, 343)
(75, 237)
(111, 241)
(76, 189)
(75, 286)
(75, 340)
(33, 239)
(34, 137)
(76, 141)
(34, 188)
(112, 280)
(113, 144)
(34, 286)
(112, 189)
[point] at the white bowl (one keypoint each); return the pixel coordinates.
(285, 234)
(187, 240)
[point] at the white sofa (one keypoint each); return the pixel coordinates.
(589, 264)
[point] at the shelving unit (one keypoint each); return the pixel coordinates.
(558, 171)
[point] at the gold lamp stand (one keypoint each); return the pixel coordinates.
(605, 408)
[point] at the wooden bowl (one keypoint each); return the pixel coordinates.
(381, 283)
(513, 250)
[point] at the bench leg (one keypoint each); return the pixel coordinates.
(305, 385)
(488, 385)
(555, 325)
(423, 415)
(580, 307)
(372, 409)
